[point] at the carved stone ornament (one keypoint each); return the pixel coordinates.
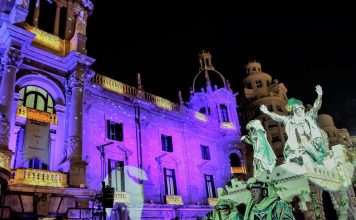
(75, 80)
(88, 5)
(4, 130)
(73, 144)
(11, 57)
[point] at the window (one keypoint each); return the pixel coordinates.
(37, 164)
(275, 138)
(114, 131)
(270, 108)
(210, 188)
(258, 84)
(116, 175)
(205, 153)
(224, 113)
(170, 181)
(37, 98)
(167, 144)
(203, 110)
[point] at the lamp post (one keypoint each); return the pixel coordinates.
(101, 149)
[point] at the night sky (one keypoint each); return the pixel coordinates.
(299, 47)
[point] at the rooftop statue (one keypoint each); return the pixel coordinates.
(304, 135)
(263, 155)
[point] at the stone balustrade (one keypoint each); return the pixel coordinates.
(36, 177)
(47, 117)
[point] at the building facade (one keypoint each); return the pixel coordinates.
(65, 129)
(258, 88)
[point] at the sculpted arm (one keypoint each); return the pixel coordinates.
(274, 116)
(317, 103)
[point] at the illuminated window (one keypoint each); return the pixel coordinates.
(36, 98)
(116, 175)
(167, 144)
(170, 181)
(205, 152)
(114, 131)
(258, 83)
(224, 113)
(210, 188)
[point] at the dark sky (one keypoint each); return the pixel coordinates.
(301, 47)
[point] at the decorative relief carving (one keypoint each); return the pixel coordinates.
(88, 5)
(73, 144)
(75, 80)
(4, 131)
(11, 57)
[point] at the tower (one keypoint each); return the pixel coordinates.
(217, 104)
(259, 88)
(44, 70)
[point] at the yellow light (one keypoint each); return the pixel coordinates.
(43, 38)
(4, 161)
(163, 103)
(228, 125)
(46, 117)
(212, 201)
(121, 197)
(28, 176)
(200, 116)
(174, 200)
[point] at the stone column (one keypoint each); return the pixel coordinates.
(77, 169)
(10, 60)
(56, 21)
(36, 14)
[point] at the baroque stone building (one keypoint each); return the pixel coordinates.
(259, 88)
(65, 129)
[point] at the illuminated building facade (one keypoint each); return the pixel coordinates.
(259, 88)
(64, 129)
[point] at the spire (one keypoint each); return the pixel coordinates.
(180, 98)
(205, 65)
(139, 84)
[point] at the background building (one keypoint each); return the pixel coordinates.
(258, 88)
(65, 129)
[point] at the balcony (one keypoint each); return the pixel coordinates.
(46, 117)
(121, 197)
(28, 176)
(174, 200)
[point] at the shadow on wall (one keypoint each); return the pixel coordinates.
(131, 182)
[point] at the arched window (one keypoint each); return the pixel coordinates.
(224, 113)
(36, 98)
(235, 160)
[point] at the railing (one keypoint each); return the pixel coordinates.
(121, 197)
(4, 161)
(28, 176)
(174, 200)
(212, 201)
(228, 125)
(132, 92)
(30, 113)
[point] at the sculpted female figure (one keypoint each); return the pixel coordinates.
(263, 155)
(304, 135)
